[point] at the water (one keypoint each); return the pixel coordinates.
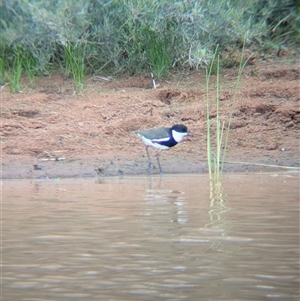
(151, 238)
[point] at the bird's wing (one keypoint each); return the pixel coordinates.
(155, 135)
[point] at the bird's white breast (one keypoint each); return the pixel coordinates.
(178, 136)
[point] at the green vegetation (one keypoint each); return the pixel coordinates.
(74, 64)
(158, 53)
(14, 75)
(129, 36)
(3, 66)
(28, 64)
(13, 62)
(216, 158)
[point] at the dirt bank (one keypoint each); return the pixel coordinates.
(49, 131)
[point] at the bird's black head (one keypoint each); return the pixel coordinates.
(180, 128)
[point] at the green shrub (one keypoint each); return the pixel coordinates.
(129, 35)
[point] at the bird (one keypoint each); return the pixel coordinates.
(162, 138)
(2, 86)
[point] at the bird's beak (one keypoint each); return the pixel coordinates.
(189, 134)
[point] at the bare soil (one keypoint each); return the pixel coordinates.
(50, 131)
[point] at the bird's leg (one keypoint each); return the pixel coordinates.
(149, 160)
(157, 157)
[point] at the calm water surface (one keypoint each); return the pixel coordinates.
(151, 238)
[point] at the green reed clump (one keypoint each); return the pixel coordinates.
(15, 62)
(74, 63)
(29, 65)
(158, 53)
(216, 157)
(15, 72)
(3, 69)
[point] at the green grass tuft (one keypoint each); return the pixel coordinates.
(74, 64)
(15, 72)
(158, 53)
(216, 157)
(29, 65)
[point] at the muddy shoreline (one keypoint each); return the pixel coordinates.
(50, 132)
